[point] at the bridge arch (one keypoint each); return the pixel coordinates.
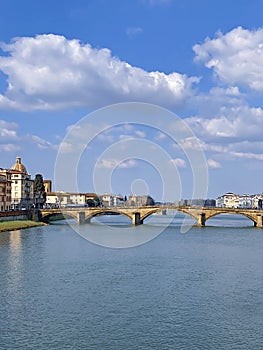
(193, 215)
(105, 211)
(245, 214)
(47, 216)
(149, 213)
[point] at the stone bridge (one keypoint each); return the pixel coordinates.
(202, 214)
(84, 215)
(138, 214)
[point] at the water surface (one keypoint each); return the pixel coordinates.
(197, 290)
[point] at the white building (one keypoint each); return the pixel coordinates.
(77, 198)
(57, 199)
(112, 200)
(245, 201)
(22, 195)
(228, 200)
(257, 201)
(64, 199)
(231, 200)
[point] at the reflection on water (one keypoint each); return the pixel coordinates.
(199, 290)
(229, 220)
(15, 240)
(118, 232)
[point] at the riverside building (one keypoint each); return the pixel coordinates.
(5, 190)
(232, 200)
(22, 196)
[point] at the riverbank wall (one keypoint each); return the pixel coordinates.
(16, 215)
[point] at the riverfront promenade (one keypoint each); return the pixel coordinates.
(138, 214)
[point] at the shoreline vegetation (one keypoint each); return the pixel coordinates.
(12, 225)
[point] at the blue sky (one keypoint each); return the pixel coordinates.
(201, 60)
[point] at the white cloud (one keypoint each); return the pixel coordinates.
(11, 141)
(236, 150)
(247, 146)
(103, 137)
(50, 72)
(133, 31)
(8, 137)
(66, 147)
(247, 155)
(116, 163)
(9, 147)
(235, 57)
(140, 134)
(213, 164)
(230, 122)
(43, 144)
(8, 130)
(127, 127)
(160, 136)
(124, 137)
(178, 162)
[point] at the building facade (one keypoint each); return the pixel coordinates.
(231, 200)
(5, 190)
(22, 195)
(66, 199)
(245, 201)
(228, 200)
(140, 200)
(257, 201)
(112, 200)
(2, 192)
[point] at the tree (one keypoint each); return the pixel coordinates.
(98, 202)
(39, 191)
(90, 203)
(95, 202)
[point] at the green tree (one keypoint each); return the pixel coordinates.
(39, 191)
(90, 203)
(95, 202)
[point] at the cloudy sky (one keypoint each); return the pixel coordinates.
(201, 60)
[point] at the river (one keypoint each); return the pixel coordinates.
(201, 289)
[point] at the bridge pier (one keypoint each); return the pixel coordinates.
(259, 222)
(201, 220)
(81, 217)
(36, 215)
(136, 219)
